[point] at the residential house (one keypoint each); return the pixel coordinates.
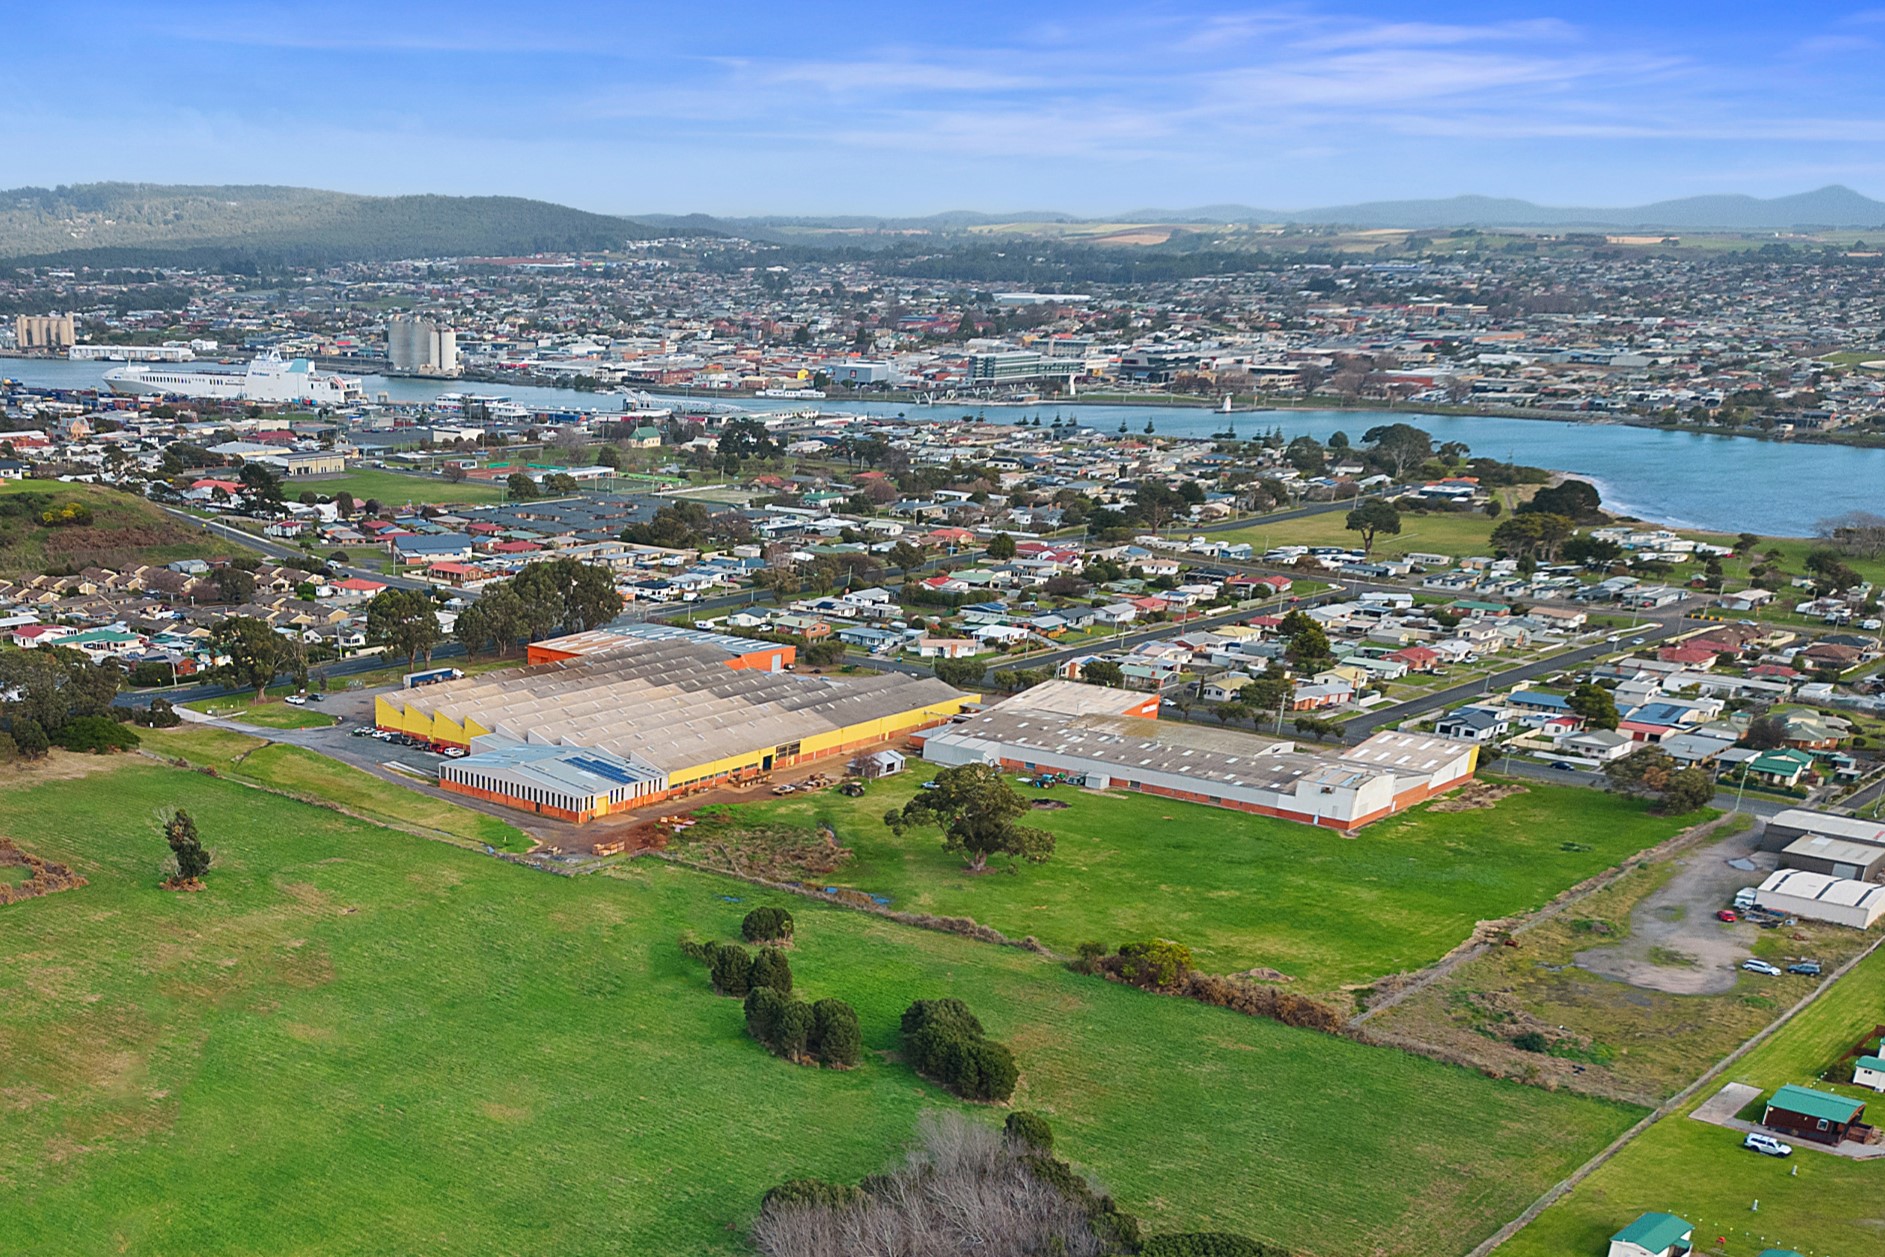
(1473, 724)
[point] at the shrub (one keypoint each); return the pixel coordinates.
(97, 734)
(767, 925)
(1531, 1041)
(1158, 963)
(792, 1033)
(694, 949)
(770, 968)
(731, 969)
(1031, 1129)
(985, 1070)
(763, 1006)
(836, 1039)
(944, 1040)
(161, 714)
(931, 1012)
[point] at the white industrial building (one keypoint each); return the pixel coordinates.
(1064, 726)
(1822, 897)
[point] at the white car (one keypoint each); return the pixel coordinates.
(295, 700)
(1761, 966)
(1767, 1145)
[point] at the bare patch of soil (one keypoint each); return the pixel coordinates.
(1050, 805)
(1476, 795)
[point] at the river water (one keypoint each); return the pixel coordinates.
(1686, 479)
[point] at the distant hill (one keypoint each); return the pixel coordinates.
(143, 223)
(1828, 207)
(1835, 206)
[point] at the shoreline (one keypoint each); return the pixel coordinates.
(1246, 405)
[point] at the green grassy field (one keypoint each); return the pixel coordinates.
(270, 713)
(1832, 1207)
(125, 530)
(1456, 535)
(1246, 890)
(358, 1042)
(306, 774)
(395, 489)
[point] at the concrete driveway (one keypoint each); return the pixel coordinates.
(1720, 1109)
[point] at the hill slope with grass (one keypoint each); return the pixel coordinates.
(108, 529)
(150, 224)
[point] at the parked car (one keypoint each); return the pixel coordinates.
(1767, 1145)
(364, 731)
(314, 698)
(1728, 915)
(1563, 767)
(453, 752)
(295, 700)
(1805, 968)
(1762, 967)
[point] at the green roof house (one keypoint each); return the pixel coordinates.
(1808, 1114)
(1653, 1235)
(1869, 1071)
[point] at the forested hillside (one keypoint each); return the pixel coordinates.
(142, 223)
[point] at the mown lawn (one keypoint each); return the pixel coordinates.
(294, 770)
(270, 713)
(1456, 535)
(359, 1042)
(1831, 1207)
(1241, 890)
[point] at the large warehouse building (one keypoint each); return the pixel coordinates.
(619, 726)
(1064, 726)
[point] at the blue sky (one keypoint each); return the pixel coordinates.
(887, 108)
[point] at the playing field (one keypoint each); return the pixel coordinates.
(358, 1041)
(1812, 1202)
(1244, 891)
(394, 489)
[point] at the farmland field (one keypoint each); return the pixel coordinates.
(1831, 1207)
(1241, 890)
(356, 1041)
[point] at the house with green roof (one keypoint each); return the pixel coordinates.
(1784, 767)
(1816, 1115)
(1869, 1071)
(1653, 1235)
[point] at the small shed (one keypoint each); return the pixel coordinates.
(882, 764)
(1653, 1235)
(1835, 857)
(1816, 1115)
(1869, 1071)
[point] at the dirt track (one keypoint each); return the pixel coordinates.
(1693, 953)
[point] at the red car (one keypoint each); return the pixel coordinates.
(1726, 914)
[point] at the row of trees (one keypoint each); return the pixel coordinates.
(44, 691)
(564, 595)
(963, 1186)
